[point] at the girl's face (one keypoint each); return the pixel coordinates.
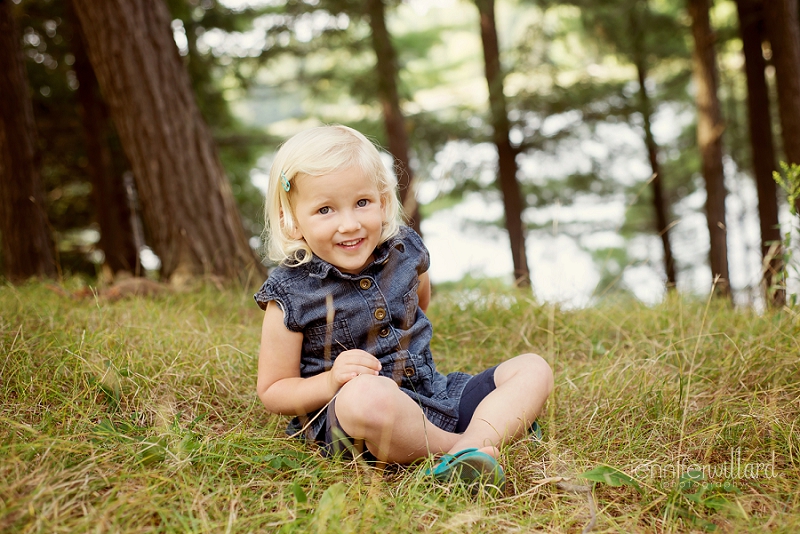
(340, 216)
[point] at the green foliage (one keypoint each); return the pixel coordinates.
(608, 475)
(789, 180)
(332, 71)
(707, 497)
(571, 67)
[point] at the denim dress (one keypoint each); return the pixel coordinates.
(377, 311)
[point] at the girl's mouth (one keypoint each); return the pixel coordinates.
(351, 244)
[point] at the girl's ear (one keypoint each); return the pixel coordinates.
(384, 207)
(295, 233)
(289, 227)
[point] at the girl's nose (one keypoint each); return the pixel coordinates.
(349, 223)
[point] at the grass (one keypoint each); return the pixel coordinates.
(140, 416)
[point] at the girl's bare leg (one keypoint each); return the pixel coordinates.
(394, 427)
(522, 387)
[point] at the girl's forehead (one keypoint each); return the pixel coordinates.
(333, 188)
(338, 180)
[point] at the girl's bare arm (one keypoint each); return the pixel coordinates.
(280, 386)
(424, 291)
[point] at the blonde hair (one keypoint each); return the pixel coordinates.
(317, 152)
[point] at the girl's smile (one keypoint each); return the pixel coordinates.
(340, 216)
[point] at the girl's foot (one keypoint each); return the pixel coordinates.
(478, 469)
(491, 451)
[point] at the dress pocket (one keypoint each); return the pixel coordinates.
(327, 341)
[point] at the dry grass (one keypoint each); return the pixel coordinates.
(140, 416)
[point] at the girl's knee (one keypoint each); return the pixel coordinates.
(540, 364)
(366, 401)
(542, 370)
(533, 366)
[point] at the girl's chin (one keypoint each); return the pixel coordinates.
(354, 266)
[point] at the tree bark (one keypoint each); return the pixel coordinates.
(783, 30)
(509, 186)
(393, 119)
(709, 134)
(112, 209)
(27, 244)
(186, 200)
(751, 29)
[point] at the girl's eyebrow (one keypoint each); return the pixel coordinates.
(319, 200)
(368, 192)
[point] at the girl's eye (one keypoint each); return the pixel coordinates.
(363, 202)
(324, 210)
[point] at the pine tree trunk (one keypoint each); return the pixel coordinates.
(751, 28)
(393, 119)
(636, 28)
(783, 30)
(187, 204)
(709, 134)
(112, 209)
(27, 245)
(509, 186)
(659, 203)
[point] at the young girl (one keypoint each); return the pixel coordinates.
(345, 343)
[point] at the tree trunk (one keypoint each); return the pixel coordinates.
(709, 134)
(637, 27)
(783, 30)
(659, 203)
(394, 122)
(512, 196)
(27, 245)
(112, 209)
(751, 28)
(186, 200)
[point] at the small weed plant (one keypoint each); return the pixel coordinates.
(789, 180)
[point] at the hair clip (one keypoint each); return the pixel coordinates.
(285, 182)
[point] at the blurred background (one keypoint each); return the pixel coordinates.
(584, 148)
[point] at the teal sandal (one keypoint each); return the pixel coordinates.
(474, 468)
(536, 430)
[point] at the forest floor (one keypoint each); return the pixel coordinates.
(140, 415)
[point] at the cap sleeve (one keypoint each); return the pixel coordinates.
(413, 240)
(273, 289)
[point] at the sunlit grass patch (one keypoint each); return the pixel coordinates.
(141, 415)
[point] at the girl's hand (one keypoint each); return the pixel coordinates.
(351, 363)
